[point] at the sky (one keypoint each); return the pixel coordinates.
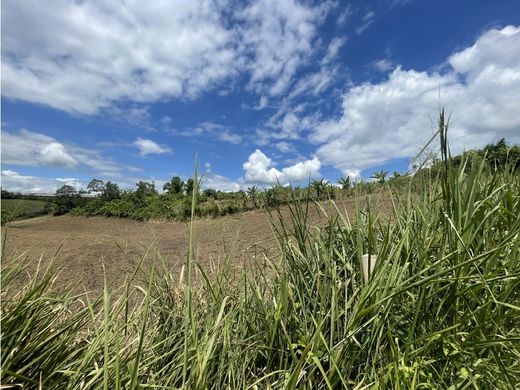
(251, 92)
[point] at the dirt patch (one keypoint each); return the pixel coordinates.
(84, 249)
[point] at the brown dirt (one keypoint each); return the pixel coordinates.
(88, 248)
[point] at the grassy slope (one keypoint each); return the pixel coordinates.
(23, 208)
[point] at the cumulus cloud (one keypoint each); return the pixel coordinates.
(259, 169)
(15, 182)
(85, 57)
(54, 153)
(391, 119)
(29, 148)
(147, 146)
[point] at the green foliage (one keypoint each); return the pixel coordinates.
(145, 203)
(320, 187)
(345, 182)
(96, 185)
(497, 156)
(380, 176)
(13, 209)
(188, 187)
(210, 193)
(174, 186)
(67, 198)
(110, 192)
(252, 193)
(145, 189)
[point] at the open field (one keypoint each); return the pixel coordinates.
(86, 246)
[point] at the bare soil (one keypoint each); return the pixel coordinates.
(86, 249)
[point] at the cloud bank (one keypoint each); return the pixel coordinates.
(391, 119)
(85, 57)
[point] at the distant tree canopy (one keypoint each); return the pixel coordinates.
(96, 185)
(145, 188)
(496, 155)
(10, 195)
(67, 197)
(190, 183)
(210, 193)
(174, 186)
(110, 192)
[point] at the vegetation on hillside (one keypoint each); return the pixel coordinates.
(441, 308)
(175, 202)
(13, 209)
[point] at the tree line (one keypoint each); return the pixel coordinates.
(145, 202)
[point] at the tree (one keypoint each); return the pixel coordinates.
(380, 176)
(96, 185)
(319, 186)
(210, 193)
(145, 188)
(345, 182)
(110, 192)
(66, 199)
(252, 192)
(242, 195)
(396, 175)
(174, 186)
(189, 187)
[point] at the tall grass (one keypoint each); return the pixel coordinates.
(440, 310)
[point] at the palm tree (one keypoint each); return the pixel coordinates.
(252, 193)
(319, 186)
(380, 176)
(397, 175)
(344, 182)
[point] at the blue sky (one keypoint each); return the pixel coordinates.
(262, 91)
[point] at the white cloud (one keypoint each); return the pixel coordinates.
(344, 15)
(496, 48)
(333, 49)
(29, 148)
(278, 36)
(315, 83)
(259, 169)
(383, 65)
(211, 129)
(147, 146)
(86, 57)
(262, 103)
(15, 182)
(368, 19)
(285, 147)
(54, 153)
(391, 119)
